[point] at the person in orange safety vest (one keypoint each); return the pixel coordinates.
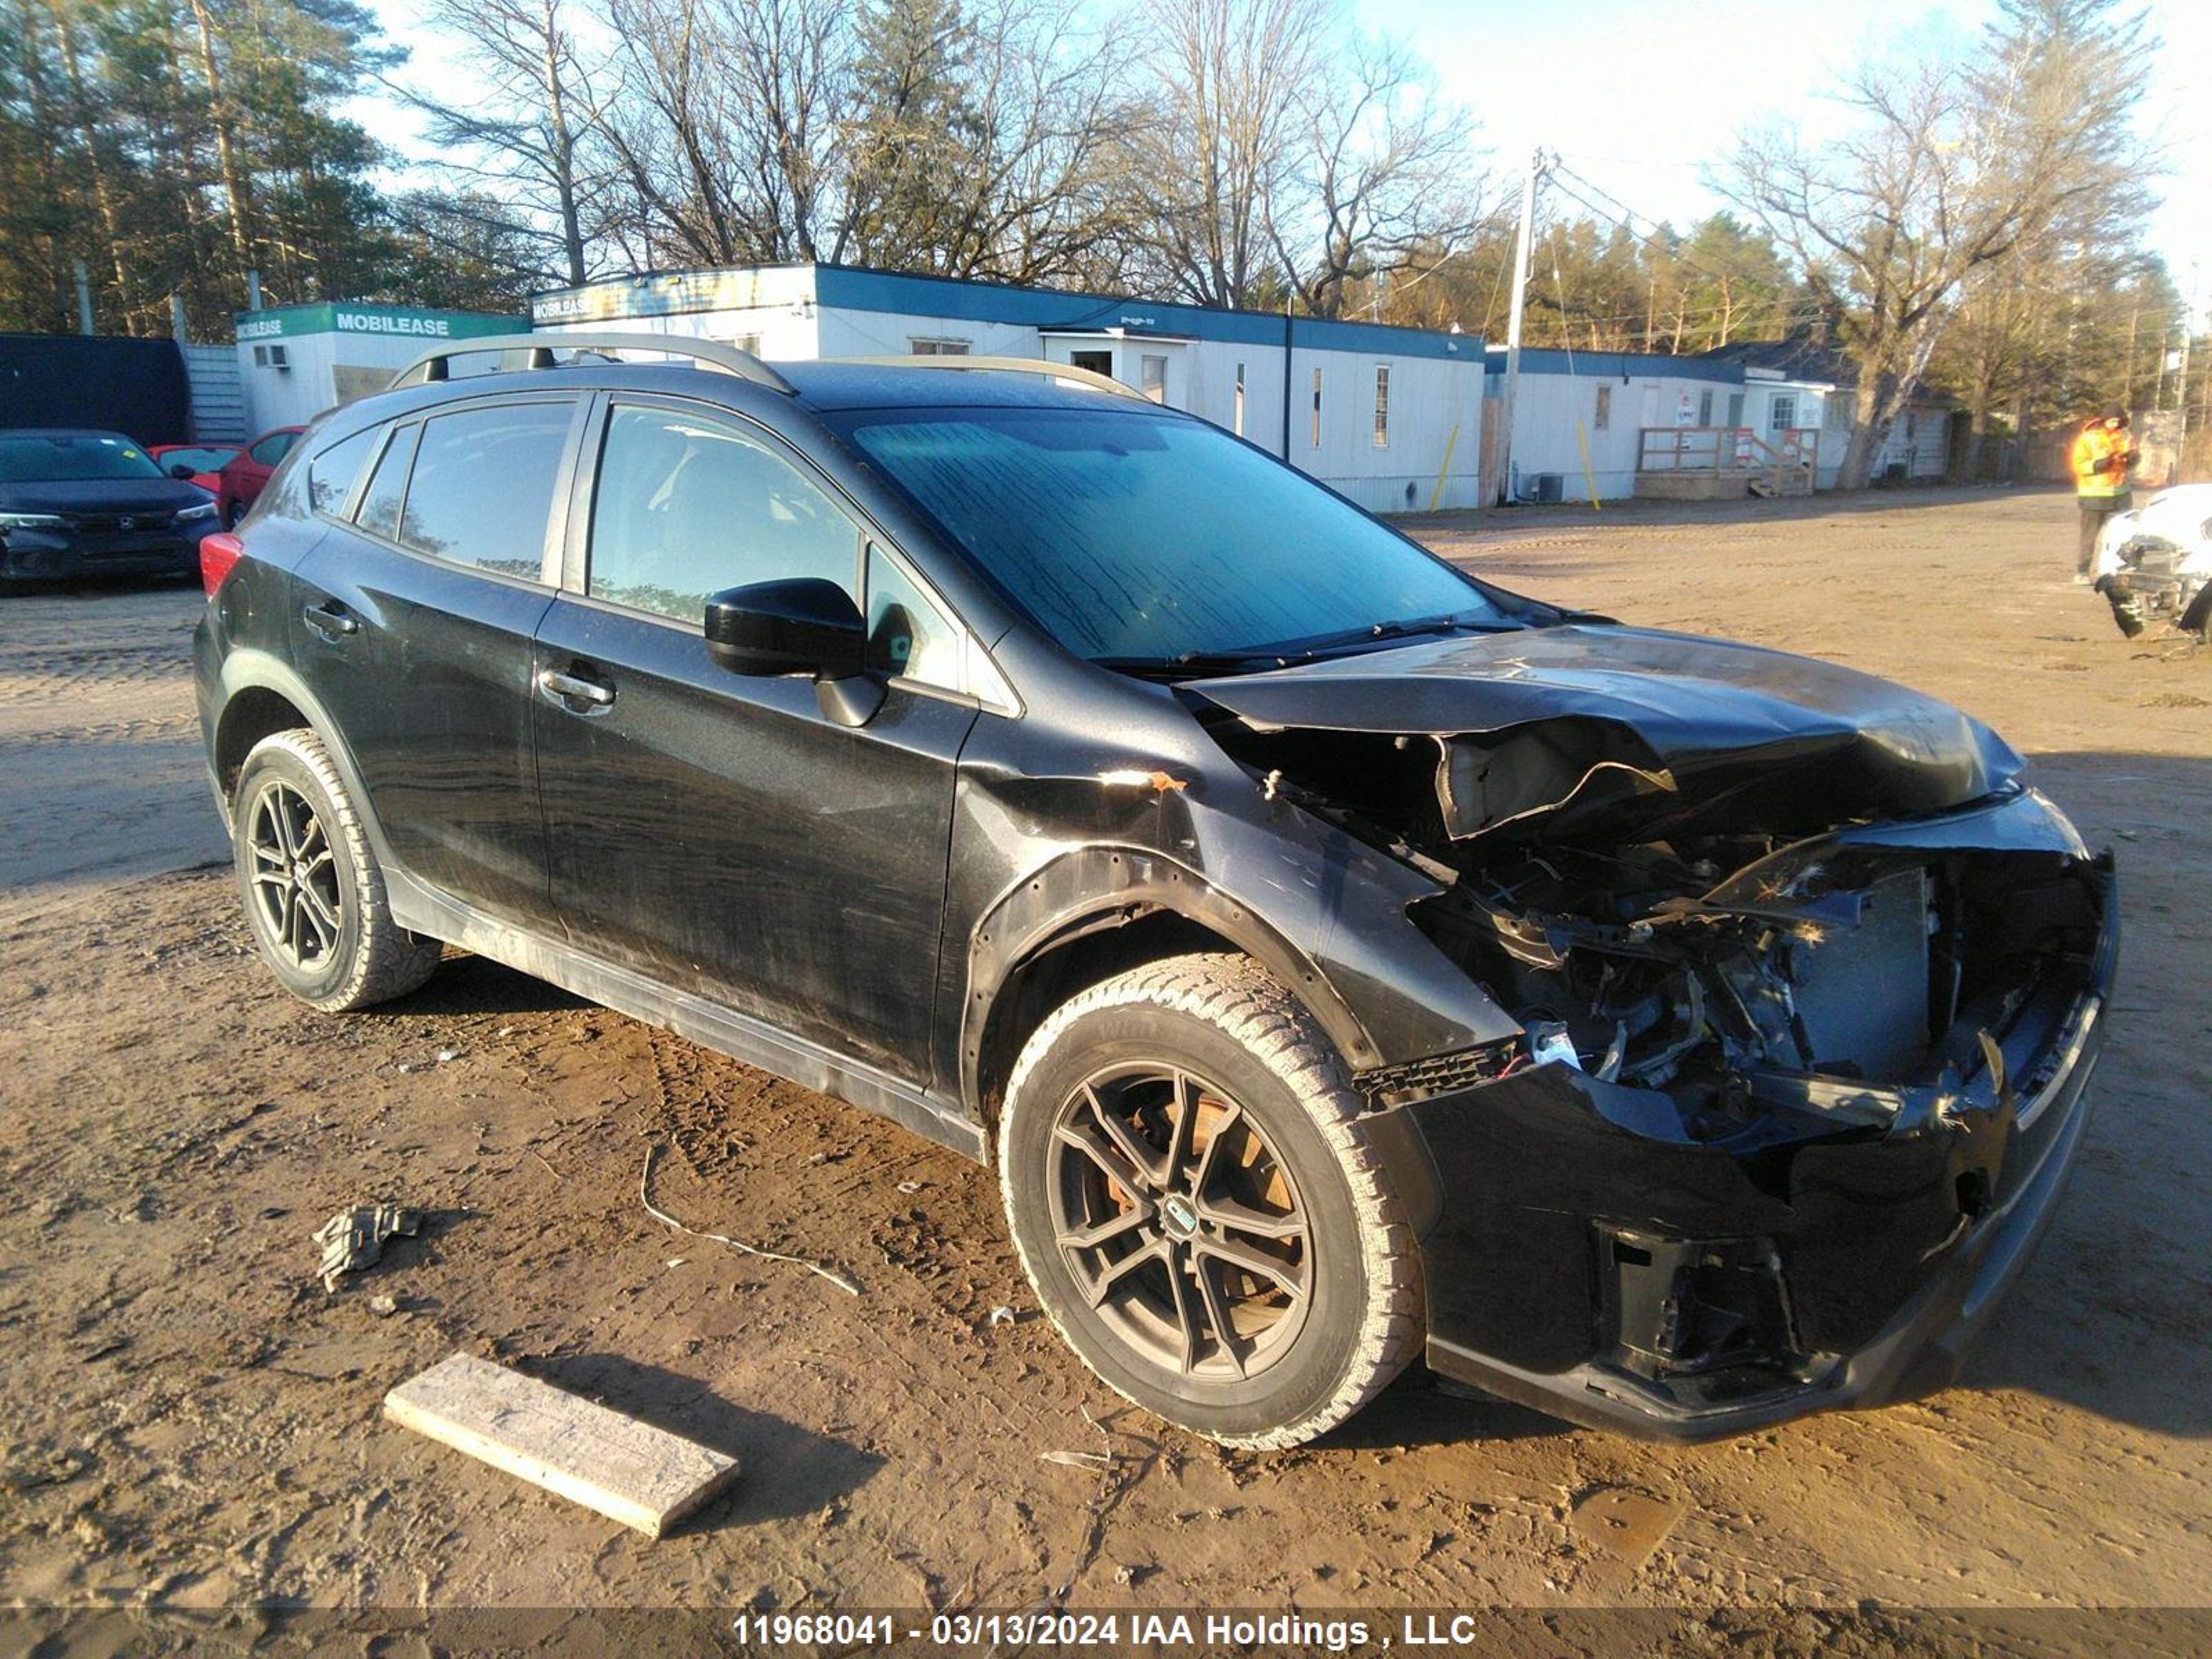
(2101, 460)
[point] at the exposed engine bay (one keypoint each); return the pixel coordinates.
(1731, 971)
(1699, 877)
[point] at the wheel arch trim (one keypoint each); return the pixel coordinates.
(245, 670)
(1091, 890)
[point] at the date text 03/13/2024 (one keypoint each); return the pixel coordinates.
(1072, 1630)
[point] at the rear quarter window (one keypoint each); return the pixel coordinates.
(332, 473)
(482, 486)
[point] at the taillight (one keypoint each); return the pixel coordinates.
(219, 551)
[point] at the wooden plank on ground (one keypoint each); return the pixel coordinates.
(629, 1471)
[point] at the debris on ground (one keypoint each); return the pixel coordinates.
(1078, 1460)
(354, 1239)
(1002, 1315)
(628, 1471)
(383, 1306)
(1624, 1524)
(645, 1197)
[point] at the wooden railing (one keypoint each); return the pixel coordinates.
(1788, 466)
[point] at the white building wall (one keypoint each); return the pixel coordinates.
(295, 394)
(777, 332)
(1429, 397)
(1434, 403)
(1919, 440)
(1547, 407)
(1435, 409)
(333, 353)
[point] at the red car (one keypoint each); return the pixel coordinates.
(195, 462)
(238, 485)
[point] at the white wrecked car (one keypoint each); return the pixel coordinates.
(2155, 562)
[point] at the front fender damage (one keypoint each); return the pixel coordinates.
(1787, 1188)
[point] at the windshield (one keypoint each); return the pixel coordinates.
(1136, 537)
(73, 459)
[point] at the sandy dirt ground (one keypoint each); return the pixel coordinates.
(189, 1422)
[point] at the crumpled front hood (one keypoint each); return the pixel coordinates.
(1585, 726)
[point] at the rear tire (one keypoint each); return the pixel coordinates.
(314, 895)
(1193, 1197)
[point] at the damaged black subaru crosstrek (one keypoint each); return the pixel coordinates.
(1341, 959)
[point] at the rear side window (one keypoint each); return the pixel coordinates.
(687, 506)
(331, 474)
(483, 485)
(274, 448)
(378, 513)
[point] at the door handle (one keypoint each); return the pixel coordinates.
(574, 688)
(329, 622)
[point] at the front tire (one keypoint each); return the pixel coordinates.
(1192, 1195)
(314, 895)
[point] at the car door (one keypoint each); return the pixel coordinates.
(414, 622)
(721, 832)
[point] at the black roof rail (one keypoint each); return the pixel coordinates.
(431, 366)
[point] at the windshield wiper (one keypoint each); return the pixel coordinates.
(1250, 657)
(1409, 627)
(1202, 662)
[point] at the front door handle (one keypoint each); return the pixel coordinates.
(329, 622)
(574, 688)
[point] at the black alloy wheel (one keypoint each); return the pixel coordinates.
(1180, 1222)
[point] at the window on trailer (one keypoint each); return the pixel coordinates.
(933, 348)
(1782, 413)
(1602, 417)
(1155, 378)
(1316, 409)
(1239, 427)
(1381, 406)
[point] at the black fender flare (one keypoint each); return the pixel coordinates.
(1091, 889)
(247, 669)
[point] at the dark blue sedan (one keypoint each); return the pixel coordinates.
(82, 503)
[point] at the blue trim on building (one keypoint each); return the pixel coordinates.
(1614, 365)
(856, 287)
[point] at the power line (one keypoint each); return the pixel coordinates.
(1626, 222)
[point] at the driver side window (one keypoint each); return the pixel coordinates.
(687, 505)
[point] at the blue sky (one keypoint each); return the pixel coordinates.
(1641, 96)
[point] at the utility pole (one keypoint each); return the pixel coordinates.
(84, 324)
(2188, 332)
(1521, 251)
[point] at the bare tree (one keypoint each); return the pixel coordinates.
(1227, 78)
(731, 126)
(533, 116)
(1385, 172)
(1947, 171)
(984, 140)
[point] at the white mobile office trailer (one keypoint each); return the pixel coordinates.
(1391, 417)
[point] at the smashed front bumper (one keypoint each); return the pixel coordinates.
(1599, 1255)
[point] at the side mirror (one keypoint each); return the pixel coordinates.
(181, 472)
(805, 625)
